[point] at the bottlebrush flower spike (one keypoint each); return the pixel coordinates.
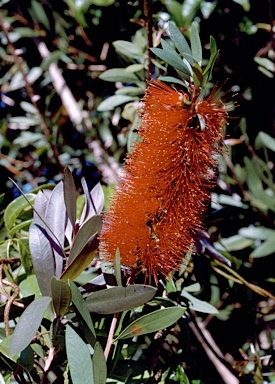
(164, 190)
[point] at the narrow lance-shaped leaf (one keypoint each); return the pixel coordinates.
(99, 365)
(196, 43)
(28, 325)
(152, 322)
(87, 230)
(70, 196)
(179, 40)
(168, 49)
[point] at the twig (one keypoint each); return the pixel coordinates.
(10, 299)
(30, 91)
(111, 336)
(240, 280)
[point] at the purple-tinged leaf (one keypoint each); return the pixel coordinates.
(28, 325)
(40, 206)
(42, 258)
(94, 201)
(55, 219)
(97, 196)
(70, 196)
(54, 245)
(89, 209)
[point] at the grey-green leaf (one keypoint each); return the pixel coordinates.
(179, 40)
(99, 365)
(196, 43)
(28, 325)
(114, 101)
(128, 49)
(172, 59)
(79, 358)
(152, 322)
(119, 299)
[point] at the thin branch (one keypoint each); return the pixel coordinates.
(149, 29)
(111, 336)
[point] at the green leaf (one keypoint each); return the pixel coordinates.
(263, 139)
(179, 40)
(119, 74)
(213, 56)
(152, 322)
(82, 260)
(199, 305)
(119, 299)
(174, 60)
(114, 101)
(40, 14)
(257, 232)
(134, 68)
(175, 8)
(29, 286)
(79, 358)
(265, 249)
(61, 295)
(234, 243)
(82, 308)
(28, 325)
(170, 79)
(196, 43)
(99, 365)
(27, 32)
(17, 207)
(117, 267)
(25, 255)
(128, 49)
(85, 233)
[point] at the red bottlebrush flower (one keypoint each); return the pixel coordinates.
(163, 193)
